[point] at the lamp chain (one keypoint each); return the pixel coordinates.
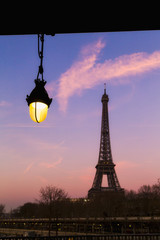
(40, 54)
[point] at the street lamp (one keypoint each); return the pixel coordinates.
(38, 100)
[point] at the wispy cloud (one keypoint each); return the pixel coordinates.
(5, 104)
(86, 72)
(23, 125)
(51, 165)
(28, 168)
(50, 146)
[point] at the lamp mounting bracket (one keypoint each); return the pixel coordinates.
(40, 54)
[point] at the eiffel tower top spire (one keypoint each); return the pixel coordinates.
(104, 88)
(105, 96)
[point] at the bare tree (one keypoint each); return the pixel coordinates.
(49, 196)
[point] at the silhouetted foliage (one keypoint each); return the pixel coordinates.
(55, 203)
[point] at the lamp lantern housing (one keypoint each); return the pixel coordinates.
(38, 101)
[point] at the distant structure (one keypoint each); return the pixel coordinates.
(105, 164)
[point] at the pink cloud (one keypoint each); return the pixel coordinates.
(51, 165)
(28, 168)
(86, 72)
(4, 104)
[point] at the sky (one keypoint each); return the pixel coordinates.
(63, 150)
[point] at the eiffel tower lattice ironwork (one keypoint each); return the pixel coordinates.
(105, 164)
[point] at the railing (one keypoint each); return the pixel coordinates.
(89, 219)
(91, 237)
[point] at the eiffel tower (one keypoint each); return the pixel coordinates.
(105, 166)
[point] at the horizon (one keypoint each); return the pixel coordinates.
(63, 150)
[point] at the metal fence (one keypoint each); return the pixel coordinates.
(90, 237)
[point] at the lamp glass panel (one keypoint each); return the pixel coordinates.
(38, 111)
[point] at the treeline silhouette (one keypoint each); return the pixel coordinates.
(55, 203)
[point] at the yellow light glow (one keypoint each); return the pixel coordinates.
(38, 111)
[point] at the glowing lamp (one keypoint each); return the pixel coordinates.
(38, 102)
(38, 111)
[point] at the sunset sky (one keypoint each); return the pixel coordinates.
(63, 150)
